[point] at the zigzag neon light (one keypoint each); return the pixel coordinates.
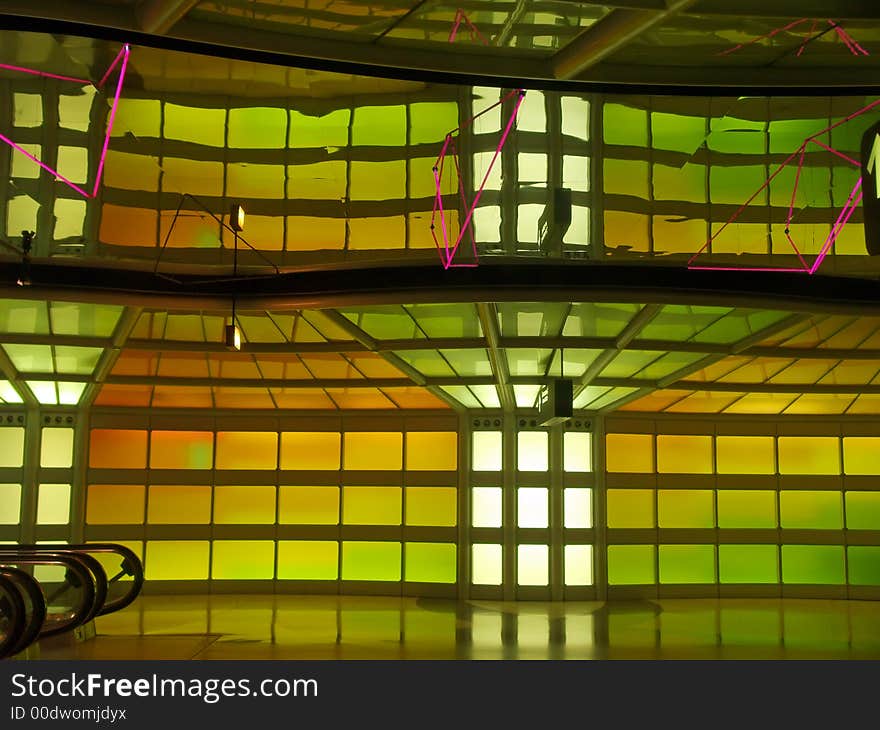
(121, 56)
(855, 197)
(461, 17)
(447, 252)
(850, 42)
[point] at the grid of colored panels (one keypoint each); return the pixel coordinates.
(698, 509)
(669, 162)
(291, 505)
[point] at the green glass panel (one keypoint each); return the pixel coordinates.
(446, 320)
(308, 560)
(70, 393)
(626, 177)
(810, 510)
(589, 395)
(523, 361)
(201, 126)
(383, 126)
(371, 561)
(687, 183)
(77, 360)
(628, 363)
(463, 395)
(687, 563)
(469, 362)
(587, 319)
(430, 562)
(631, 565)
(10, 504)
(737, 136)
(624, 125)
(863, 510)
(330, 130)
(8, 394)
(612, 396)
(748, 564)
(427, 362)
(431, 121)
(31, 358)
(573, 362)
(685, 508)
(680, 322)
(86, 320)
(746, 508)
(864, 565)
(384, 322)
(257, 127)
(44, 391)
(736, 184)
(243, 560)
(670, 363)
(677, 132)
(141, 117)
(786, 135)
(813, 564)
(739, 324)
(532, 320)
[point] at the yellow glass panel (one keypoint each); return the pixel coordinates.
(308, 506)
(115, 504)
(255, 181)
(371, 505)
(371, 561)
(685, 508)
(577, 508)
(310, 450)
(257, 127)
(10, 504)
(486, 565)
(176, 505)
(247, 450)
(684, 454)
(308, 560)
(486, 507)
(181, 449)
(243, 560)
(56, 449)
(317, 181)
(861, 455)
(189, 124)
(578, 565)
(532, 507)
(244, 505)
(576, 451)
(486, 453)
(811, 510)
(53, 504)
(746, 508)
(629, 452)
(330, 130)
(430, 562)
(192, 176)
(308, 233)
(532, 450)
(745, 455)
(380, 232)
(431, 506)
(628, 508)
(532, 565)
(11, 447)
(128, 226)
(117, 449)
(808, 455)
(377, 180)
(862, 510)
(131, 172)
(177, 560)
(372, 450)
(141, 117)
(432, 450)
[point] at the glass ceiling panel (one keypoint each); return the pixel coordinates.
(670, 363)
(590, 394)
(681, 322)
(612, 396)
(656, 401)
(852, 372)
(429, 363)
(820, 404)
(24, 317)
(446, 320)
(58, 359)
(526, 395)
(84, 320)
(373, 365)
(627, 363)
(487, 394)
(276, 367)
(232, 365)
(391, 322)
(588, 319)
(713, 372)
(469, 362)
(324, 325)
(49, 393)
(183, 365)
(814, 333)
(761, 403)
(854, 334)
(573, 362)
(865, 403)
(757, 370)
(359, 398)
(739, 324)
(803, 371)
(522, 362)
(544, 319)
(330, 365)
(8, 394)
(413, 397)
(704, 403)
(463, 395)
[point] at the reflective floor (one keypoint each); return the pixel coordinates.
(348, 627)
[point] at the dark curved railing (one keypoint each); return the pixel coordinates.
(34, 604)
(13, 617)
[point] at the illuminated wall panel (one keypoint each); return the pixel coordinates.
(56, 449)
(577, 508)
(117, 449)
(247, 450)
(808, 455)
(243, 559)
(532, 565)
(864, 565)
(11, 446)
(371, 505)
(629, 452)
(53, 504)
(745, 455)
(173, 505)
(630, 508)
(429, 562)
(862, 510)
(372, 450)
(631, 565)
(810, 510)
(431, 506)
(177, 560)
(308, 505)
(10, 504)
(577, 455)
(244, 505)
(432, 450)
(748, 563)
(746, 508)
(181, 449)
(486, 451)
(115, 504)
(532, 451)
(686, 508)
(486, 564)
(684, 454)
(861, 455)
(687, 563)
(486, 509)
(578, 561)
(371, 561)
(308, 560)
(815, 564)
(310, 450)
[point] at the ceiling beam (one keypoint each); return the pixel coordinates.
(610, 34)
(488, 314)
(124, 326)
(160, 16)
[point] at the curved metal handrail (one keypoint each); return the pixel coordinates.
(33, 598)
(78, 571)
(130, 565)
(11, 604)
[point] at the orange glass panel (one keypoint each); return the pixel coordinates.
(183, 365)
(656, 401)
(124, 395)
(115, 504)
(372, 450)
(413, 397)
(181, 449)
(244, 505)
(704, 402)
(242, 398)
(136, 362)
(307, 233)
(628, 231)
(431, 506)
(745, 455)
(308, 450)
(377, 233)
(117, 449)
(304, 398)
(808, 455)
(174, 396)
(629, 452)
(233, 365)
(247, 450)
(359, 398)
(308, 505)
(684, 454)
(432, 450)
(329, 365)
(373, 365)
(127, 226)
(174, 505)
(287, 367)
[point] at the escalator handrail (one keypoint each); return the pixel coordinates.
(17, 617)
(131, 565)
(74, 564)
(30, 588)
